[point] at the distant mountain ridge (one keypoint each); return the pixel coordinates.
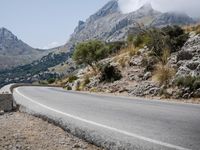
(14, 52)
(110, 24)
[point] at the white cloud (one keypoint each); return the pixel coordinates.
(131, 5)
(51, 45)
(191, 7)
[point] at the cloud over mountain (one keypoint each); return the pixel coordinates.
(191, 7)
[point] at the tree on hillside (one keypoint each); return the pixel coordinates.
(89, 53)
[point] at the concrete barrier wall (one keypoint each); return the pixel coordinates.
(6, 102)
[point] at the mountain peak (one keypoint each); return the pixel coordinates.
(146, 7)
(6, 34)
(146, 10)
(109, 8)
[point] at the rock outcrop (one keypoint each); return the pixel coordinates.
(172, 18)
(187, 61)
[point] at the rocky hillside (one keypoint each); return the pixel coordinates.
(110, 24)
(147, 68)
(36, 71)
(14, 52)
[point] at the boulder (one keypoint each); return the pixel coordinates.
(2, 112)
(147, 75)
(136, 61)
(144, 89)
(187, 61)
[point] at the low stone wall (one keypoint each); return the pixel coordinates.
(6, 102)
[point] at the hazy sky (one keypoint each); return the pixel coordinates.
(48, 23)
(45, 23)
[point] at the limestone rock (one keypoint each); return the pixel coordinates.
(144, 88)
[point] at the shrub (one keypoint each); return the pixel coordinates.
(132, 51)
(43, 82)
(130, 38)
(191, 82)
(138, 41)
(122, 61)
(196, 84)
(89, 53)
(149, 63)
(86, 81)
(110, 73)
(72, 78)
(114, 47)
(51, 80)
(170, 37)
(69, 88)
(163, 74)
(176, 37)
(156, 42)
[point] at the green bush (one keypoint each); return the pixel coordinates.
(175, 37)
(156, 42)
(72, 78)
(188, 82)
(86, 80)
(51, 80)
(196, 84)
(138, 41)
(170, 37)
(110, 73)
(69, 88)
(114, 47)
(90, 52)
(43, 82)
(149, 63)
(130, 38)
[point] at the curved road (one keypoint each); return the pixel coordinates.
(116, 122)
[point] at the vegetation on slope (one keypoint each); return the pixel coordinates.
(38, 70)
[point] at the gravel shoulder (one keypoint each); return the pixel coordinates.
(20, 131)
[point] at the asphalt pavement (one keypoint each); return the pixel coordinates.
(116, 122)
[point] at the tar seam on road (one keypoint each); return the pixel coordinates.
(105, 126)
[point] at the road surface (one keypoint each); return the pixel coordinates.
(116, 122)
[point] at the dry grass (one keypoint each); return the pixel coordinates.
(163, 74)
(192, 28)
(165, 56)
(122, 62)
(130, 49)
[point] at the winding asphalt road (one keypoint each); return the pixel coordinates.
(116, 122)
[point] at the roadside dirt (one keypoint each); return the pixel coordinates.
(20, 131)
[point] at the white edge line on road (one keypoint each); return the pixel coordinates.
(105, 126)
